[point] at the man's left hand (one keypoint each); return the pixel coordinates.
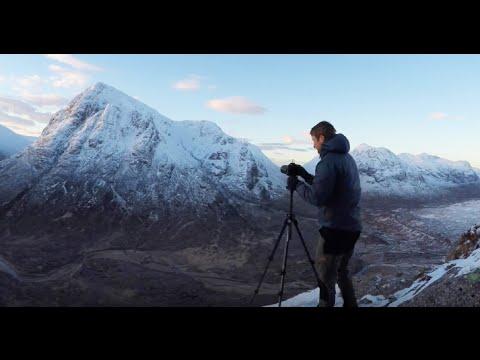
(292, 183)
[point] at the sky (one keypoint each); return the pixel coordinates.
(406, 103)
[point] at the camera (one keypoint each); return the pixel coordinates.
(291, 169)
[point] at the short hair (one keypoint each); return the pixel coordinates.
(323, 128)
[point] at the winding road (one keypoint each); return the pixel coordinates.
(9, 269)
(6, 267)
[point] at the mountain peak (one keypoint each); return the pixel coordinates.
(363, 147)
(368, 148)
(100, 87)
(103, 93)
(100, 97)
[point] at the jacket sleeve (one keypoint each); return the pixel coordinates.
(322, 186)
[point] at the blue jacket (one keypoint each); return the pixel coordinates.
(335, 189)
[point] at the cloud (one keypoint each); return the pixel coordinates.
(20, 112)
(438, 116)
(31, 89)
(236, 105)
(44, 99)
(69, 59)
(190, 84)
(11, 120)
(75, 75)
(30, 81)
(280, 146)
(290, 143)
(443, 116)
(2, 79)
(65, 78)
(15, 106)
(21, 129)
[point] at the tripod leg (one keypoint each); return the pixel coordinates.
(322, 287)
(270, 258)
(285, 256)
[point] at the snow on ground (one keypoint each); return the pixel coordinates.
(373, 301)
(308, 299)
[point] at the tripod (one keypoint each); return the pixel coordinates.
(289, 221)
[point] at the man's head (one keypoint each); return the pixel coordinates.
(321, 133)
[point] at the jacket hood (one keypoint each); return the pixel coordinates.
(337, 144)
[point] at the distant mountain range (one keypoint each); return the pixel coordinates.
(116, 143)
(384, 174)
(12, 143)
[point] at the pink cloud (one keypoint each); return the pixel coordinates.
(190, 84)
(438, 115)
(235, 105)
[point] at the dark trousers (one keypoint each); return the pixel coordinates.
(332, 269)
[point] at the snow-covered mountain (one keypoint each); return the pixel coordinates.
(406, 175)
(107, 145)
(11, 142)
(477, 171)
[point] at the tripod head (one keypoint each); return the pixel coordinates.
(292, 170)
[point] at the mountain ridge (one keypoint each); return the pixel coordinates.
(384, 174)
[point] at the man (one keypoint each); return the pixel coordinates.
(335, 190)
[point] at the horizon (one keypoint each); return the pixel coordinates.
(363, 96)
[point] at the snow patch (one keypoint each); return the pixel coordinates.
(309, 299)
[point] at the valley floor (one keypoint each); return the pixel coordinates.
(397, 246)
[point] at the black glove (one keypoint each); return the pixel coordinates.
(300, 170)
(292, 183)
